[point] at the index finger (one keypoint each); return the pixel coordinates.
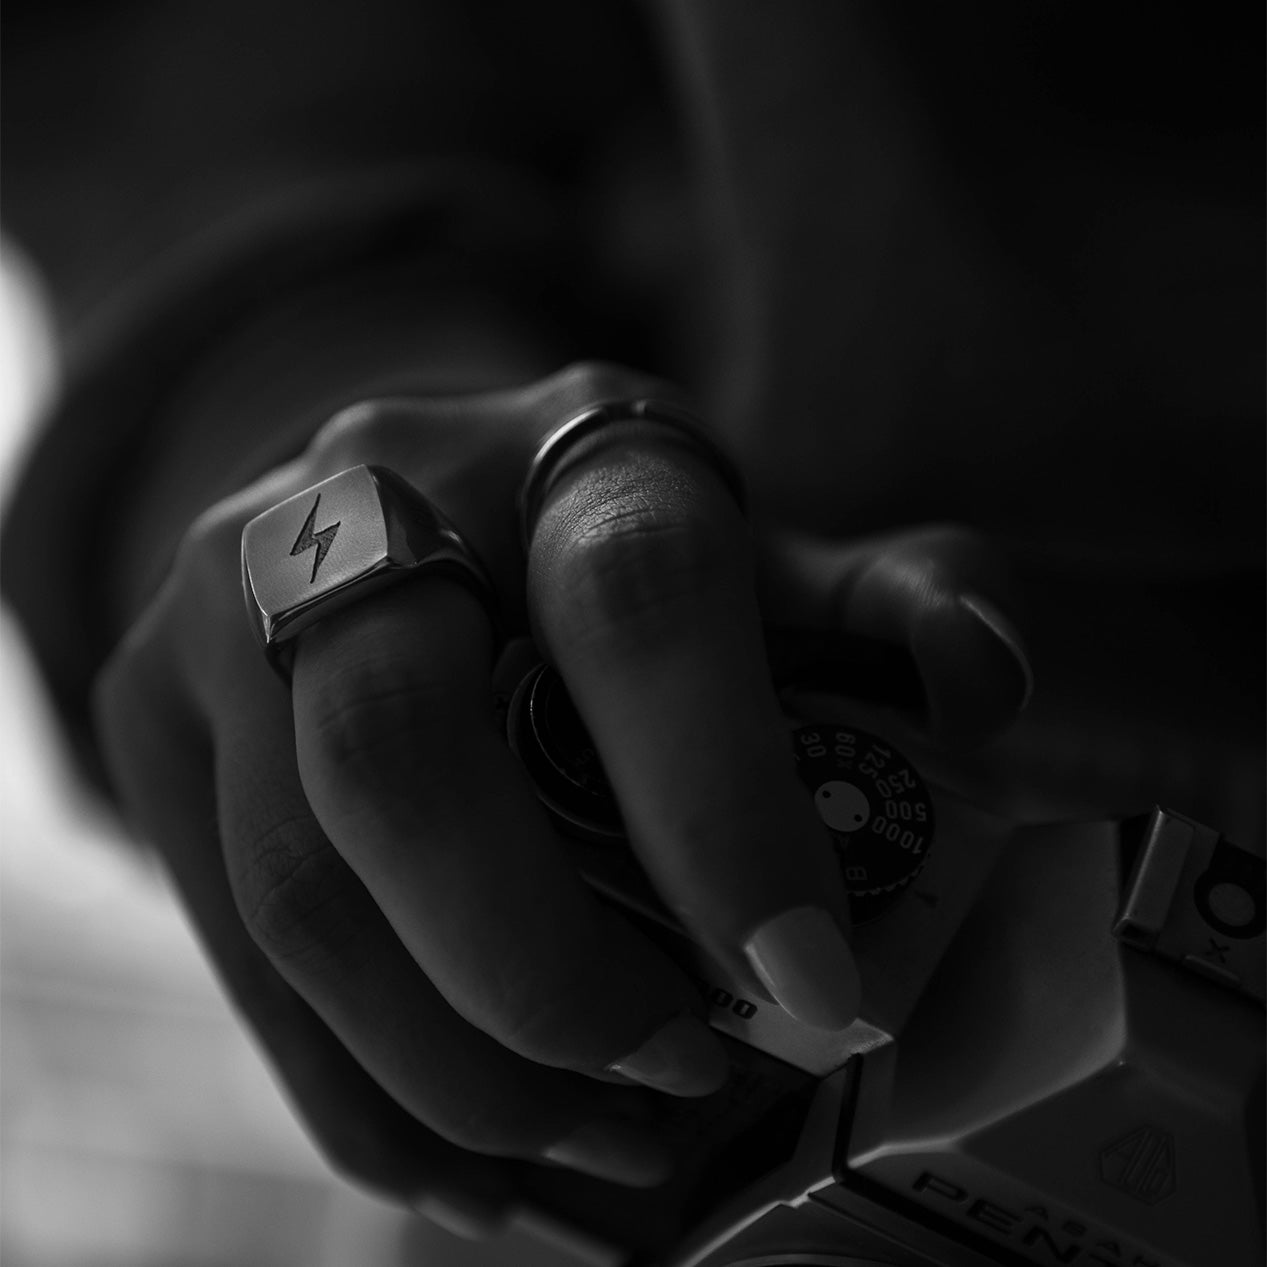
(641, 586)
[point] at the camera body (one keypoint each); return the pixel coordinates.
(1059, 1060)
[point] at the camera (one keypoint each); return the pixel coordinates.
(1059, 1060)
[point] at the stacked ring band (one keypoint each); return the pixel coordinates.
(561, 446)
(367, 528)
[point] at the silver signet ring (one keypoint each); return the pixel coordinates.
(334, 543)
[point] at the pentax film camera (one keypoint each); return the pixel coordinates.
(1059, 1060)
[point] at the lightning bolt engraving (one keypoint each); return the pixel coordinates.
(307, 539)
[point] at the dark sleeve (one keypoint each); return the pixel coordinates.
(175, 168)
(131, 125)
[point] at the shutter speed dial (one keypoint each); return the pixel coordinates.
(869, 797)
(874, 804)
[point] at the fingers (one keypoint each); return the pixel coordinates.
(456, 898)
(939, 594)
(641, 587)
(322, 929)
(371, 869)
(160, 757)
(412, 783)
(380, 1056)
(470, 453)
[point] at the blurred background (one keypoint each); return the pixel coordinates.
(138, 1125)
(1115, 157)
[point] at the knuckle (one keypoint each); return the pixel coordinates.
(482, 1121)
(203, 628)
(137, 694)
(370, 726)
(630, 571)
(582, 384)
(116, 683)
(294, 899)
(206, 571)
(945, 556)
(214, 537)
(218, 529)
(950, 545)
(592, 380)
(370, 1142)
(562, 1027)
(472, 1129)
(353, 1150)
(370, 431)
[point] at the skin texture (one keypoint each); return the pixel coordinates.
(930, 277)
(366, 862)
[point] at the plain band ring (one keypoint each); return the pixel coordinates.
(338, 541)
(551, 458)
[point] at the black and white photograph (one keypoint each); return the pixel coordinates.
(632, 633)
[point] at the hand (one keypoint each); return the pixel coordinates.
(367, 864)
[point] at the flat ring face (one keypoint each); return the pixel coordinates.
(305, 551)
(336, 542)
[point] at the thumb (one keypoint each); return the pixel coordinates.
(917, 620)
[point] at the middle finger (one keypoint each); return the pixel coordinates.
(404, 766)
(641, 587)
